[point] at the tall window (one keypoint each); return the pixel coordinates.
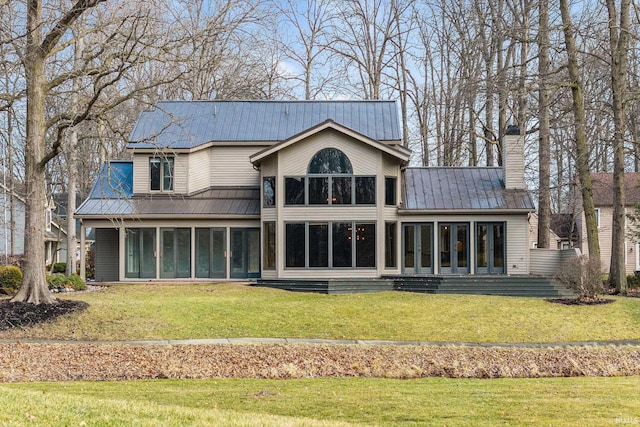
(269, 191)
(390, 191)
(269, 243)
(390, 245)
(161, 173)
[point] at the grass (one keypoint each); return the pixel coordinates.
(150, 312)
(430, 401)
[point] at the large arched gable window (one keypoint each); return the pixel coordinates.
(330, 161)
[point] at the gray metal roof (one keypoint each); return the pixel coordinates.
(188, 124)
(231, 201)
(463, 188)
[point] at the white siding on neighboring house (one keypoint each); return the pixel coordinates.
(5, 225)
(230, 166)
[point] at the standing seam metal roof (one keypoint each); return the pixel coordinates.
(463, 188)
(188, 124)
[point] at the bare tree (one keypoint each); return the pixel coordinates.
(308, 49)
(544, 148)
(619, 41)
(121, 38)
(581, 149)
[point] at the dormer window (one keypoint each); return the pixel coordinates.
(161, 173)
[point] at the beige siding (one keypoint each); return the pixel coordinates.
(141, 179)
(269, 167)
(230, 166)
(199, 171)
(181, 174)
(517, 245)
(294, 160)
(141, 173)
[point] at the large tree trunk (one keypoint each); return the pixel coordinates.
(34, 287)
(582, 151)
(619, 41)
(544, 145)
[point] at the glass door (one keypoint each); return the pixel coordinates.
(417, 255)
(211, 254)
(454, 248)
(175, 252)
(245, 252)
(140, 244)
(490, 245)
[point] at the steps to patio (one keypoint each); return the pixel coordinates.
(525, 286)
(522, 286)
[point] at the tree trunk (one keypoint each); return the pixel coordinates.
(544, 145)
(619, 41)
(34, 287)
(582, 151)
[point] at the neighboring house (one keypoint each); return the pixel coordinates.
(298, 189)
(12, 228)
(602, 185)
(563, 233)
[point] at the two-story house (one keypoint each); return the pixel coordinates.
(298, 190)
(602, 188)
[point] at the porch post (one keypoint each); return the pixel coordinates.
(83, 252)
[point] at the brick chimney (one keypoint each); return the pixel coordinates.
(513, 159)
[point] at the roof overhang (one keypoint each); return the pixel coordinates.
(396, 151)
(467, 212)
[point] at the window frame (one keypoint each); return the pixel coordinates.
(354, 257)
(165, 181)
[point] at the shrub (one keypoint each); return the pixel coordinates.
(584, 276)
(59, 282)
(76, 282)
(633, 280)
(10, 277)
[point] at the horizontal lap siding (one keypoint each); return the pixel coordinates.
(294, 160)
(199, 171)
(230, 166)
(141, 173)
(517, 244)
(106, 257)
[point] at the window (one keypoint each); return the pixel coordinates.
(295, 245)
(161, 173)
(597, 211)
(269, 191)
(365, 190)
(390, 191)
(390, 245)
(294, 188)
(269, 243)
(365, 245)
(330, 181)
(330, 161)
(318, 245)
(344, 244)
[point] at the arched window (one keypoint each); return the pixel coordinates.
(330, 161)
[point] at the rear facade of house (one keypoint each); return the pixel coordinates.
(220, 190)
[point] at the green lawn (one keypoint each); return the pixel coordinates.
(231, 402)
(148, 312)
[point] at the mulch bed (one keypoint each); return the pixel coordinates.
(22, 315)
